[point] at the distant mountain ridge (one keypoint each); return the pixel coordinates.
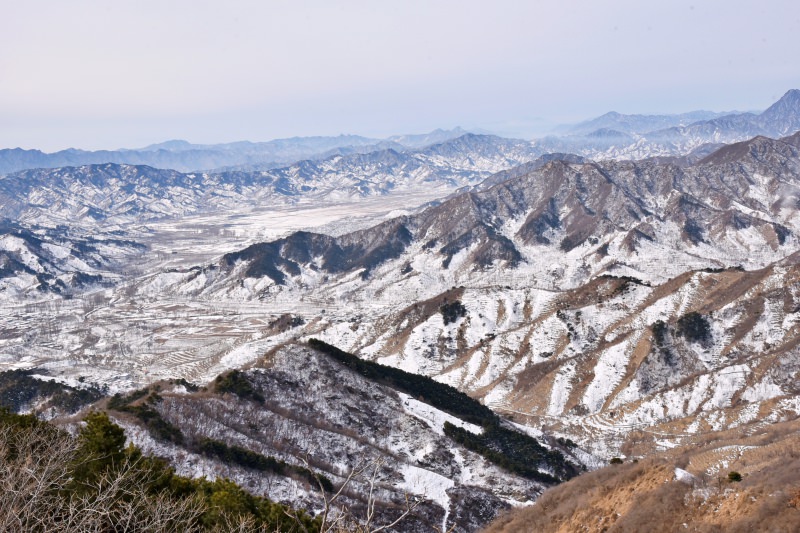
(186, 157)
(111, 193)
(610, 136)
(76, 204)
(639, 123)
(616, 136)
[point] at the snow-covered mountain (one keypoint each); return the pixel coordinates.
(611, 136)
(719, 212)
(629, 306)
(107, 195)
(564, 294)
(619, 238)
(437, 136)
(36, 260)
(465, 160)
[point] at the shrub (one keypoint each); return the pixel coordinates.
(694, 327)
(514, 451)
(19, 389)
(236, 383)
(734, 477)
(152, 419)
(452, 311)
(191, 387)
(508, 448)
(567, 443)
(659, 332)
(155, 423)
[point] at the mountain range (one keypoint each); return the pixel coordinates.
(610, 136)
(186, 157)
(638, 137)
(631, 124)
(532, 309)
(109, 194)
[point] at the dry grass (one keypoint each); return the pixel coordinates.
(645, 496)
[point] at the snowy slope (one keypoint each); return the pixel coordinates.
(318, 413)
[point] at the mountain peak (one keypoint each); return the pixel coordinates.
(789, 104)
(791, 98)
(172, 144)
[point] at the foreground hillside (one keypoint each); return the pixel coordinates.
(93, 482)
(302, 415)
(688, 489)
(313, 427)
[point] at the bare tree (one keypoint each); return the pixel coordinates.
(336, 517)
(36, 467)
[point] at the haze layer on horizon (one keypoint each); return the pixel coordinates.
(103, 75)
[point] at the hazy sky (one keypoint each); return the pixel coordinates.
(108, 74)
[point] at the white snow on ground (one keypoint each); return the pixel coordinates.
(608, 372)
(728, 382)
(429, 485)
(195, 324)
(192, 465)
(59, 252)
(730, 454)
(684, 477)
(12, 243)
(562, 386)
(434, 417)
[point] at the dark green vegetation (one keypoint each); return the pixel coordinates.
(513, 451)
(150, 418)
(92, 482)
(19, 390)
(452, 311)
(191, 387)
(567, 443)
(508, 448)
(234, 382)
(659, 328)
(694, 327)
(155, 424)
(256, 461)
(734, 477)
(439, 395)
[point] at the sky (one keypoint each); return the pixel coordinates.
(107, 74)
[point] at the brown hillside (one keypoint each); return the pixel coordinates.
(647, 496)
